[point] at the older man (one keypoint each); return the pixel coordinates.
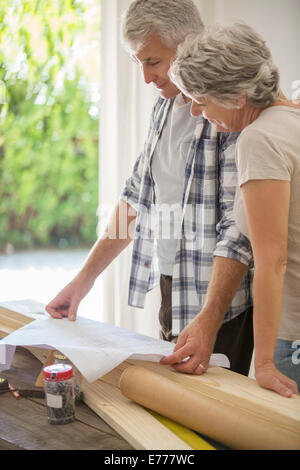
(187, 168)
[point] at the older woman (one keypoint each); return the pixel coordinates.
(229, 74)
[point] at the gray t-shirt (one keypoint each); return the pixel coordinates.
(269, 148)
(168, 167)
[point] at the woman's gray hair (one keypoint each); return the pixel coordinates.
(223, 63)
(172, 20)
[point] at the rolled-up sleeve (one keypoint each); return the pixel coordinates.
(131, 190)
(136, 189)
(231, 243)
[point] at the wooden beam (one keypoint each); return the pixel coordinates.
(12, 317)
(129, 419)
(142, 430)
(232, 424)
(220, 386)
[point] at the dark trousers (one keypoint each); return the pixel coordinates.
(234, 338)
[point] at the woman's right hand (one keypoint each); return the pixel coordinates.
(268, 376)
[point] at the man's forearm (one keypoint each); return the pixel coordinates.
(226, 277)
(117, 236)
(196, 342)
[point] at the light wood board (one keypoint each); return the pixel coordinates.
(129, 419)
(142, 430)
(232, 424)
(11, 320)
(224, 387)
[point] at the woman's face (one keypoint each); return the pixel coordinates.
(225, 119)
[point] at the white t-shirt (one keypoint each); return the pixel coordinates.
(269, 148)
(168, 167)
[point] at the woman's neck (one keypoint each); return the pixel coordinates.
(283, 101)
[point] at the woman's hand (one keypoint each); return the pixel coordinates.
(268, 376)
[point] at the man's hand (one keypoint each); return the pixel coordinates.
(105, 250)
(268, 376)
(195, 343)
(66, 303)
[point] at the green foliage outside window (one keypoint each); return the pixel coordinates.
(48, 126)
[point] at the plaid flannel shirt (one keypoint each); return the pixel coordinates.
(208, 227)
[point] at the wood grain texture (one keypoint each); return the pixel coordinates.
(24, 422)
(26, 427)
(230, 423)
(229, 388)
(139, 428)
(220, 388)
(11, 320)
(130, 420)
(235, 390)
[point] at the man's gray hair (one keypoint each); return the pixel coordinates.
(172, 20)
(223, 63)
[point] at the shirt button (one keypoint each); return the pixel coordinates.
(157, 132)
(147, 264)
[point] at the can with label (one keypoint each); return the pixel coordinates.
(59, 393)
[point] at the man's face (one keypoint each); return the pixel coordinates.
(155, 58)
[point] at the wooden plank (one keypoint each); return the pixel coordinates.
(50, 360)
(26, 425)
(219, 384)
(240, 396)
(107, 402)
(130, 420)
(232, 425)
(235, 390)
(194, 440)
(5, 445)
(11, 320)
(230, 388)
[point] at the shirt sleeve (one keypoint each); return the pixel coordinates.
(260, 157)
(231, 243)
(131, 190)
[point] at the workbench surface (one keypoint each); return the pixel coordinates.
(24, 421)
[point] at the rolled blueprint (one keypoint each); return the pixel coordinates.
(229, 424)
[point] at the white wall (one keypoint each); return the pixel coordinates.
(277, 21)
